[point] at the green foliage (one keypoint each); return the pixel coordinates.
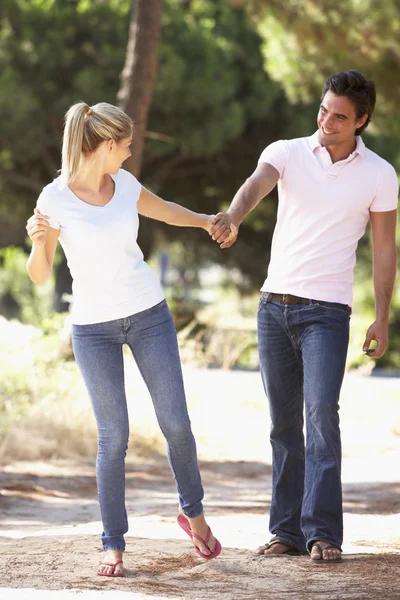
(52, 54)
(214, 108)
(210, 67)
(307, 40)
(19, 297)
(36, 364)
(391, 360)
(183, 311)
(364, 316)
(16, 385)
(229, 82)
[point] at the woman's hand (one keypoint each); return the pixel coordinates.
(37, 227)
(208, 222)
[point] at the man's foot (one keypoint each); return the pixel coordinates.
(111, 564)
(322, 551)
(277, 548)
(199, 526)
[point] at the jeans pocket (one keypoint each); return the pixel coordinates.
(344, 309)
(262, 301)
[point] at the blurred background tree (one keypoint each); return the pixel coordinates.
(214, 108)
(138, 76)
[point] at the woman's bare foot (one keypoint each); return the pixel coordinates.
(326, 552)
(111, 569)
(198, 525)
(276, 548)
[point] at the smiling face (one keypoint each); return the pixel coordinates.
(337, 120)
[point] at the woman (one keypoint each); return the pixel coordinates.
(92, 209)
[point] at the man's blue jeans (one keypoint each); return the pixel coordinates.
(303, 350)
(151, 336)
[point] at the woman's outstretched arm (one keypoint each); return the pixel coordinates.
(150, 205)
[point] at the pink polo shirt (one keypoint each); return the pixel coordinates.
(323, 211)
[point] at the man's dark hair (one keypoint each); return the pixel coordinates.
(358, 89)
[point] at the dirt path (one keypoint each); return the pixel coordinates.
(49, 544)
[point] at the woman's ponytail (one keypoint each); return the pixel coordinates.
(72, 147)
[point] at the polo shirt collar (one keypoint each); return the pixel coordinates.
(360, 148)
(314, 143)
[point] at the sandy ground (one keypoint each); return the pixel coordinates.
(49, 536)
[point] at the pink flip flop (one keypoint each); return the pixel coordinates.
(184, 523)
(111, 565)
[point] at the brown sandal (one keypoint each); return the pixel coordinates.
(291, 550)
(321, 550)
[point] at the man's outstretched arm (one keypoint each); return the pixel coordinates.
(254, 189)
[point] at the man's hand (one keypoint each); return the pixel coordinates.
(231, 238)
(378, 332)
(223, 231)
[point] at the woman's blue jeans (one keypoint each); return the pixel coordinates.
(151, 336)
(303, 350)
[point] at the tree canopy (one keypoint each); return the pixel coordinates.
(231, 79)
(307, 40)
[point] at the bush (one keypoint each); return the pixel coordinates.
(20, 298)
(363, 316)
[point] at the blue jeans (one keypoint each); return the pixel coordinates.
(303, 350)
(151, 336)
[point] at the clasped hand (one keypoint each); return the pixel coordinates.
(222, 230)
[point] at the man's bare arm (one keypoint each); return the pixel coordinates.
(383, 225)
(254, 189)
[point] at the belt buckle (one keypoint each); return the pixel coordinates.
(284, 298)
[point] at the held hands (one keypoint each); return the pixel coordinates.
(222, 230)
(378, 332)
(37, 226)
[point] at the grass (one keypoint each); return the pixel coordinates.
(45, 412)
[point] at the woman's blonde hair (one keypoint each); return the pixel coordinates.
(86, 127)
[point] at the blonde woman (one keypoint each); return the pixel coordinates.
(92, 208)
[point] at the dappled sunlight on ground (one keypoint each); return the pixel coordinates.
(51, 524)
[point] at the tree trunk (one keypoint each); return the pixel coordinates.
(138, 75)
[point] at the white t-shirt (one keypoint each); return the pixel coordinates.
(110, 278)
(323, 211)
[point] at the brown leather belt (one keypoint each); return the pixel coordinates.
(287, 298)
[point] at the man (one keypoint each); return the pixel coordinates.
(329, 186)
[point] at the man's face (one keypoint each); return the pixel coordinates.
(337, 120)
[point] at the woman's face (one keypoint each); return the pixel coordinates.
(118, 152)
